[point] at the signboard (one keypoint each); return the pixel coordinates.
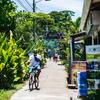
(93, 53)
(93, 66)
(78, 66)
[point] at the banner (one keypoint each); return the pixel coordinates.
(93, 66)
(93, 53)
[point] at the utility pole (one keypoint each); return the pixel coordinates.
(34, 21)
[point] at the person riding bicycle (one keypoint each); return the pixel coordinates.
(34, 62)
(55, 57)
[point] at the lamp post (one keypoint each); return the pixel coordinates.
(34, 21)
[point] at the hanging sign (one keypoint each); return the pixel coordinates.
(93, 53)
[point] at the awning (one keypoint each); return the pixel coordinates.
(79, 36)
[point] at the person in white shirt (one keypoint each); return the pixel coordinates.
(34, 62)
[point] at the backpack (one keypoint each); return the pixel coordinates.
(37, 59)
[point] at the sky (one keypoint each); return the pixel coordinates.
(55, 5)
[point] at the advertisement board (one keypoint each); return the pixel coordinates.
(78, 66)
(93, 66)
(93, 53)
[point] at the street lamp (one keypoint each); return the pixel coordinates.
(34, 21)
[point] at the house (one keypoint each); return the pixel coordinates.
(89, 28)
(89, 34)
(90, 21)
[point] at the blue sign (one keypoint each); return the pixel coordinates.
(82, 83)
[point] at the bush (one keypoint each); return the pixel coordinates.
(12, 67)
(93, 95)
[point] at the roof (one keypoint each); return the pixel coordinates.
(94, 4)
(79, 34)
(86, 8)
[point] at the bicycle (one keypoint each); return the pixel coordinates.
(55, 59)
(33, 80)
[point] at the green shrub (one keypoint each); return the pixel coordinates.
(93, 95)
(12, 67)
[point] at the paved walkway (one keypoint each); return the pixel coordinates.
(53, 85)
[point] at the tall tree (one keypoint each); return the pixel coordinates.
(7, 15)
(77, 24)
(62, 21)
(25, 25)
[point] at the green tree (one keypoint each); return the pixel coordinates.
(24, 27)
(62, 21)
(23, 31)
(77, 24)
(42, 20)
(7, 15)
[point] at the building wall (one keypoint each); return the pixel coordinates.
(95, 1)
(88, 24)
(96, 17)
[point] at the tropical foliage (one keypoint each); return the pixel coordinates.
(25, 25)
(7, 15)
(64, 25)
(15, 47)
(12, 58)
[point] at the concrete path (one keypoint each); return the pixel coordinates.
(53, 85)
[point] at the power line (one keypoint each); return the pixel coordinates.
(29, 4)
(22, 5)
(38, 1)
(39, 9)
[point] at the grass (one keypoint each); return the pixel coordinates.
(6, 94)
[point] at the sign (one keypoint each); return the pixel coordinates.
(93, 66)
(93, 53)
(78, 66)
(82, 83)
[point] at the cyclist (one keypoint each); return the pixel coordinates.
(34, 62)
(55, 57)
(37, 62)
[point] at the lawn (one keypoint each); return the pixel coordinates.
(6, 94)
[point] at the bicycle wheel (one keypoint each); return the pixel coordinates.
(36, 82)
(31, 83)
